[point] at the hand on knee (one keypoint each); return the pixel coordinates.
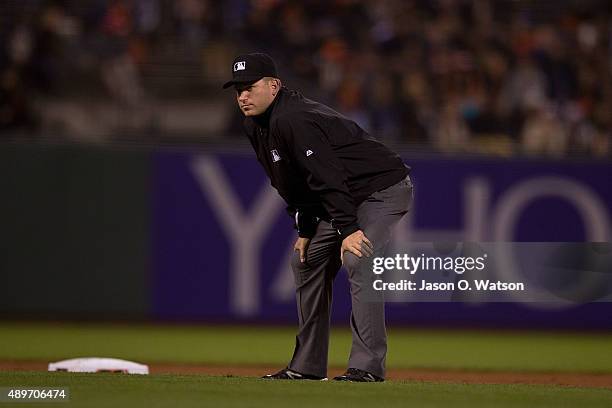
(357, 244)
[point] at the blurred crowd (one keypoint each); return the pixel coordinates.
(501, 77)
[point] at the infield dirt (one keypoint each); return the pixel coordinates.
(568, 379)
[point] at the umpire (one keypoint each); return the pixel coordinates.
(345, 191)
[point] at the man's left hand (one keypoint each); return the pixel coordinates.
(357, 244)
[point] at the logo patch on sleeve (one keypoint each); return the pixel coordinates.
(275, 156)
(309, 152)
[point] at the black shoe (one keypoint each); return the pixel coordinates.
(357, 375)
(287, 374)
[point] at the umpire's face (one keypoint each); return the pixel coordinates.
(254, 98)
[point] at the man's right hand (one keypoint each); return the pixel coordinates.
(301, 245)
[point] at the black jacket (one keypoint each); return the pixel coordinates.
(322, 163)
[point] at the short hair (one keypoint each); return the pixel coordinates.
(268, 79)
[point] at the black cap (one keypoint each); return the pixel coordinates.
(251, 68)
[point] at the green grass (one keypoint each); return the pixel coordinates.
(116, 390)
(449, 349)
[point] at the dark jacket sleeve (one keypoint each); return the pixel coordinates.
(310, 148)
(304, 223)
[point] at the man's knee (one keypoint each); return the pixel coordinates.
(353, 263)
(296, 262)
(303, 268)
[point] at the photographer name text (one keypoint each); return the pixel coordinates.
(463, 284)
(459, 265)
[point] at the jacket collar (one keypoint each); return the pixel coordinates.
(263, 120)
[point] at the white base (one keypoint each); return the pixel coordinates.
(97, 365)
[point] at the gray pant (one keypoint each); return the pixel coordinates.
(314, 278)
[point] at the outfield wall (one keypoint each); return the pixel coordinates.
(167, 235)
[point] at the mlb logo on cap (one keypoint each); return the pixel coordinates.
(251, 68)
